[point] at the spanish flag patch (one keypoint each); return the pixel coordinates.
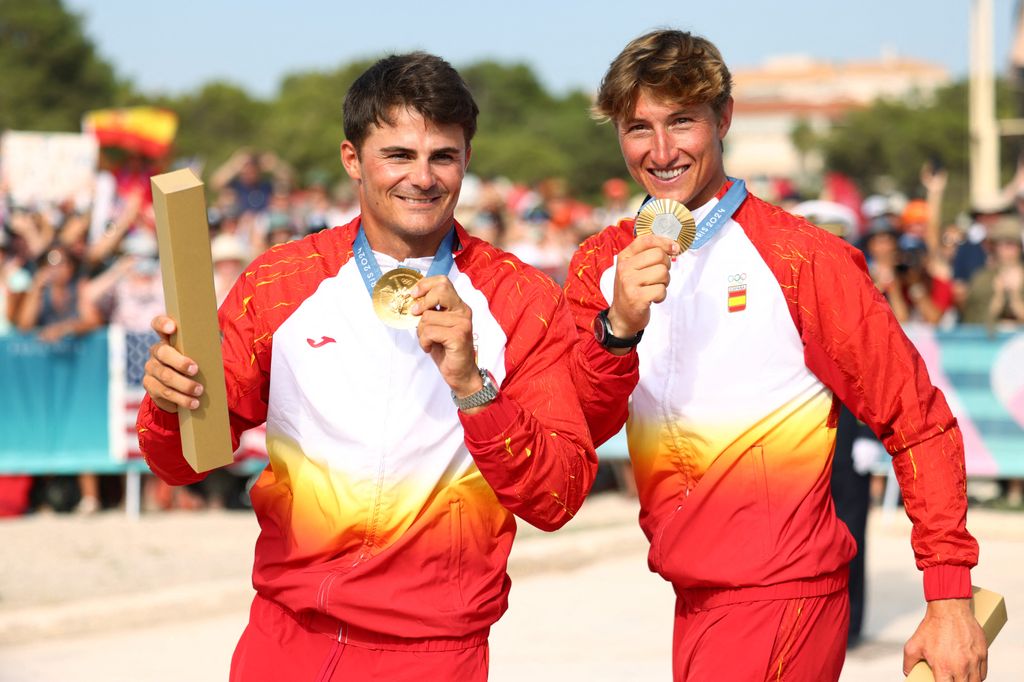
(737, 292)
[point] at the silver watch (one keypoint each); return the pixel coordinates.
(485, 395)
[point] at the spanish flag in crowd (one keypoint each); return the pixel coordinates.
(143, 130)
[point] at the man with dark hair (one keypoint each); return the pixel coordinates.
(417, 81)
(408, 416)
(764, 325)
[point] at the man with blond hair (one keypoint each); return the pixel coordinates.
(763, 327)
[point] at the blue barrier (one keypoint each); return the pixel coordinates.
(57, 414)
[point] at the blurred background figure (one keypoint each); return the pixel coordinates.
(881, 246)
(252, 178)
(615, 204)
(972, 255)
(53, 305)
(230, 256)
(128, 292)
(995, 294)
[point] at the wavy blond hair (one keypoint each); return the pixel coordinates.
(669, 65)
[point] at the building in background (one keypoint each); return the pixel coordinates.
(790, 91)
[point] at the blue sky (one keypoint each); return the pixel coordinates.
(173, 47)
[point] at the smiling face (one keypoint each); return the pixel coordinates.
(408, 173)
(675, 151)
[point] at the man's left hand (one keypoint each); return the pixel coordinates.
(951, 641)
(446, 332)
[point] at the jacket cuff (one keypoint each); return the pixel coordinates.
(947, 581)
(602, 362)
(160, 422)
(492, 422)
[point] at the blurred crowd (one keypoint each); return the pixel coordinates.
(963, 271)
(67, 269)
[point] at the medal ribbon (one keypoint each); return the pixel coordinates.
(370, 270)
(719, 215)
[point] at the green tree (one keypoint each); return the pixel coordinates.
(804, 141)
(50, 73)
(895, 139)
(526, 134)
(215, 121)
(507, 142)
(591, 149)
(304, 122)
(506, 93)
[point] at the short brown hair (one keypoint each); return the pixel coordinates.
(668, 64)
(419, 81)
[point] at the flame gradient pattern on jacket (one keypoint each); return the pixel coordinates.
(732, 399)
(384, 506)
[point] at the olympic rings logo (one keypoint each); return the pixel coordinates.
(736, 279)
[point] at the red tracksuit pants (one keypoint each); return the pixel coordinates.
(790, 640)
(276, 647)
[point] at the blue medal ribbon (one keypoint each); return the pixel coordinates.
(370, 270)
(719, 215)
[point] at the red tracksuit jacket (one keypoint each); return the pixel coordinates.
(383, 506)
(732, 398)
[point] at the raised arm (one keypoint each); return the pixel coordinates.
(170, 386)
(531, 442)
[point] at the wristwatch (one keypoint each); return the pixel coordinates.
(485, 395)
(605, 337)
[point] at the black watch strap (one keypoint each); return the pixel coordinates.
(605, 337)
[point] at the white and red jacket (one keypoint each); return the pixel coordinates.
(734, 394)
(383, 506)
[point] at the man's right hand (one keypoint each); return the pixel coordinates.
(168, 373)
(641, 278)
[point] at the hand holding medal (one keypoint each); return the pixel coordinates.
(664, 228)
(641, 278)
(392, 292)
(404, 299)
(445, 331)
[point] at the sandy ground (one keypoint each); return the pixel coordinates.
(102, 598)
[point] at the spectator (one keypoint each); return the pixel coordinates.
(850, 478)
(940, 272)
(132, 177)
(996, 292)
(925, 297)
(615, 206)
(53, 303)
(106, 243)
(130, 292)
(882, 251)
(279, 230)
(491, 220)
(971, 255)
(31, 233)
(14, 282)
(245, 173)
(230, 256)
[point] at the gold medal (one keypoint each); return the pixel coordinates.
(392, 298)
(667, 218)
